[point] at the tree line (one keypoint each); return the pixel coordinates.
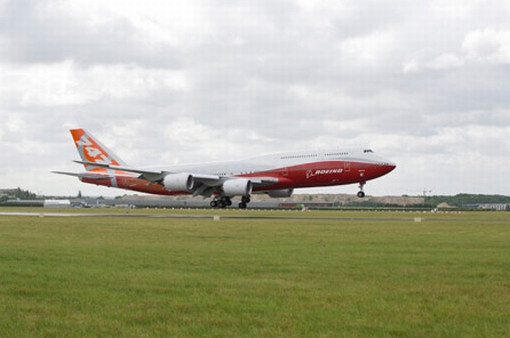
(17, 193)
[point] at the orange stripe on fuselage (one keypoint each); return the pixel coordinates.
(124, 180)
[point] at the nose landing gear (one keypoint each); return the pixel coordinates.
(361, 193)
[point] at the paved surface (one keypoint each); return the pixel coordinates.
(410, 218)
(215, 217)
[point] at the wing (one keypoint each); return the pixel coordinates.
(197, 184)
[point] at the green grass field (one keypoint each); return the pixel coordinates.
(368, 274)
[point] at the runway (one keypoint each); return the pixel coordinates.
(213, 217)
(414, 218)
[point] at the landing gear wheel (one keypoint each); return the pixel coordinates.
(226, 200)
(214, 204)
(244, 202)
(221, 204)
(361, 194)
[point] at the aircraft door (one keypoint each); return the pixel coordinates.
(347, 167)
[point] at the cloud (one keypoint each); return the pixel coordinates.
(423, 83)
(66, 84)
(425, 61)
(488, 45)
(55, 31)
(456, 9)
(446, 61)
(370, 50)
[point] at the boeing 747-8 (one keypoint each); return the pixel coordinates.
(276, 175)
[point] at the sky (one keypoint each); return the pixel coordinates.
(423, 83)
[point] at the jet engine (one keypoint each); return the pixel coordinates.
(280, 193)
(179, 182)
(237, 186)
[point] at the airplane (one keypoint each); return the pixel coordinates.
(276, 175)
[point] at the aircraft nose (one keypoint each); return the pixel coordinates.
(387, 165)
(390, 165)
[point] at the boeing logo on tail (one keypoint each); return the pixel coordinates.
(276, 175)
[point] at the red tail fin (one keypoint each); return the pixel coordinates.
(91, 150)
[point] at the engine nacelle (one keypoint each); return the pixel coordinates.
(237, 186)
(179, 182)
(280, 193)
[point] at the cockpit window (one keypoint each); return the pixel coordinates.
(368, 151)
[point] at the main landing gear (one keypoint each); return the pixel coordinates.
(222, 202)
(244, 202)
(361, 193)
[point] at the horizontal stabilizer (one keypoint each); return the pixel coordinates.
(66, 173)
(148, 175)
(84, 175)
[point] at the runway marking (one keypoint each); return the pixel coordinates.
(240, 217)
(214, 217)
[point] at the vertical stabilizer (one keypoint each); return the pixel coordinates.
(91, 150)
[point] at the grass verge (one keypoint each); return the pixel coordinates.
(444, 277)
